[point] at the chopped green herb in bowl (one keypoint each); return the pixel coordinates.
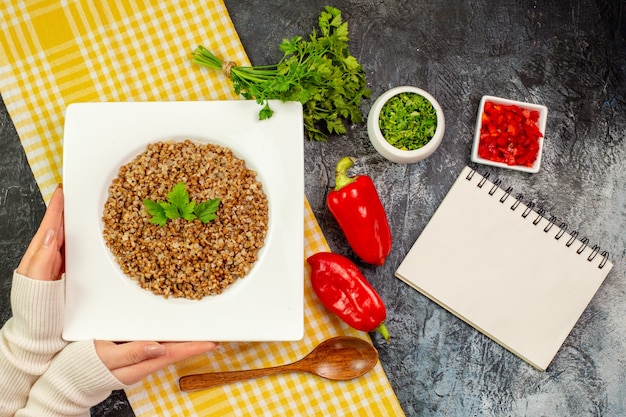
(408, 121)
(405, 124)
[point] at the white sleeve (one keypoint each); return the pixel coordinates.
(76, 380)
(30, 339)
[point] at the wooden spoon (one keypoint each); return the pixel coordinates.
(339, 358)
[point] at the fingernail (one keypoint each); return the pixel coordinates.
(154, 351)
(47, 238)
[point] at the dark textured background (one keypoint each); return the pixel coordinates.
(567, 55)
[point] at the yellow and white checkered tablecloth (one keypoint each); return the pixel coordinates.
(53, 53)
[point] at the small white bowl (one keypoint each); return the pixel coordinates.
(391, 152)
(541, 123)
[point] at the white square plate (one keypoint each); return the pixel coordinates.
(103, 303)
(541, 123)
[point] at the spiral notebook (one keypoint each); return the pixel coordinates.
(505, 268)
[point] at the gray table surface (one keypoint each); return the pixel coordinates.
(567, 55)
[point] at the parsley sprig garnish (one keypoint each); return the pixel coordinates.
(180, 206)
(319, 73)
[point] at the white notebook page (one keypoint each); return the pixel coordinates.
(501, 272)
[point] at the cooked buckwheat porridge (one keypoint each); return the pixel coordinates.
(184, 258)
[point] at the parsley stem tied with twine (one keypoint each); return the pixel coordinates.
(227, 66)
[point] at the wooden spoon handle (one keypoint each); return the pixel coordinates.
(213, 379)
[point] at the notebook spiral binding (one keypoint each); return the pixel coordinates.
(530, 208)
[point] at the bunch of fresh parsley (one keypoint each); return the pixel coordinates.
(179, 206)
(319, 73)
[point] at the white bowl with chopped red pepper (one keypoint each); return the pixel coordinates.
(405, 124)
(509, 134)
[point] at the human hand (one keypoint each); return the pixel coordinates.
(44, 258)
(133, 361)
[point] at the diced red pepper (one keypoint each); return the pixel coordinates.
(509, 134)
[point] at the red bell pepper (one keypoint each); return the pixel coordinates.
(357, 208)
(342, 288)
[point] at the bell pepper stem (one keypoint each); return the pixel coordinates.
(382, 329)
(341, 177)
